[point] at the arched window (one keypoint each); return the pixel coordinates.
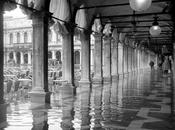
(25, 37)
(25, 58)
(58, 56)
(49, 55)
(11, 38)
(11, 55)
(18, 37)
(76, 57)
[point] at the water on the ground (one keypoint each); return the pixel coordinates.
(141, 101)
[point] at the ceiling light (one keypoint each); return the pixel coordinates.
(140, 5)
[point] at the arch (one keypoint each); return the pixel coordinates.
(49, 55)
(58, 56)
(18, 37)
(76, 57)
(18, 58)
(26, 58)
(11, 55)
(25, 37)
(11, 38)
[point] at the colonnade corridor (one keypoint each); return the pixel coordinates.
(140, 101)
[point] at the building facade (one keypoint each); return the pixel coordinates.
(18, 43)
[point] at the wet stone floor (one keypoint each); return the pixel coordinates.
(140, 101)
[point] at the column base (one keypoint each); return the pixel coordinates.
(115, 76)
(125, 75)
(81, 82)
(39, 98)
(97, 80)
(3, 118)
(107, 79)
(121, 76)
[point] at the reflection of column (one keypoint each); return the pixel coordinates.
(22, 57)
(85, 57)
(53, 55)
(96, 102)
(84, 109)
(40, 93)
(67, 99)
(40, 118)
(98, 57)
(107, 58)
(3, 122)
(114, 100)
(29, 58)
(106, 102)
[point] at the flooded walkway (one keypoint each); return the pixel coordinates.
(141, 101)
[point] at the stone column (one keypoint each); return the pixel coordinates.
(129, 59)
(115, 59)
(40, 92)
(53, 55)
(97, 58)
(85, 57)
(29, 58)
(68, 58)
(22, 58)
(14, 57)
(125, 60)
(92, 59)
(3, 111)
(1, 54)
(107, 58)
(120, 60)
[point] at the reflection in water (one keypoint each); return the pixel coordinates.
(40, 118)
(106, 113)
(67, 99)
(96, 107)
(84, 106)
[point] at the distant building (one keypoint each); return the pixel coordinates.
(18, 43)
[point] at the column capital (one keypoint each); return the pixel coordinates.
(107, 37)
(97, 34)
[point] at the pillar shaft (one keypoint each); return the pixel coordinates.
(98, 57)
(14, 57)
(107, 58)
(115, 59)
(120, 59)
(1, 55)
(85, 57)
(39, 93)
(67, 61)
(129, 59)
(53, 55)
(125, 59)
(29, 58)
(22, 57)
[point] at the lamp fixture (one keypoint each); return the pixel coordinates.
(140, 5)
(155, 30)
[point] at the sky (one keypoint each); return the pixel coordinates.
(17, 13)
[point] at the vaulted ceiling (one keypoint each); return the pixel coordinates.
(123, 18)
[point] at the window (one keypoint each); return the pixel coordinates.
(11, 38)
(18, 37)
(25, 37)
